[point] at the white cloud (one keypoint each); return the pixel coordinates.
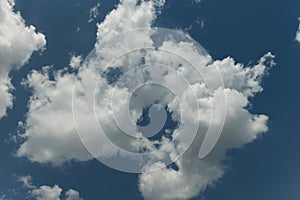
(72, 195)
(6, 97)
(50, 130)
(75, 61)
(125, 17)
(194, 174)
(45, 192)
(298, 32)
(17, 43)
(94, 12)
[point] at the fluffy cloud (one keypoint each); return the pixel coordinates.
(128, 16)
(75, 61)
(50, 119)
(51, 133)
(6, 97)
(50, 129)
(194, 174)
(298, 32)
(196, 1)
(72, 195)
(17, 43)
(45, 192)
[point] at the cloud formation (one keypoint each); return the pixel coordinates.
(45, 192)
(17, 43)
(50, 119)
(298, 32)
(49, 125)
(94, 12)
(51, 133)
(193, 174)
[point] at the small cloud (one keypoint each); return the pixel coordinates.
(94, 12)
(75, 61)
(15, 51)
(45, 192)
(298, 32)
(72, 195)
(53, 134)
(26, 181)
(200, 22)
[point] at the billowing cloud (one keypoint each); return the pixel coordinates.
(50, 119)
(127, 16)
(50, 128)
(45, 192)
(51, 135)
(193, 174)
(17, 43)
(298, 32)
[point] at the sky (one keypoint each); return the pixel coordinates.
(50, 149)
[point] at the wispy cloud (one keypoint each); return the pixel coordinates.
(45, 192)
(298, 32)
(94, 12)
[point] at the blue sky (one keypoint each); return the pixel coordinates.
(266, 169)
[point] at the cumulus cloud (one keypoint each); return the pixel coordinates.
(298, 32)
(51, 133)
(72, 195)
(17, 43)
(45, 192)
(50, 128)
(127, 16)
(75, 61)
(50, 119)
